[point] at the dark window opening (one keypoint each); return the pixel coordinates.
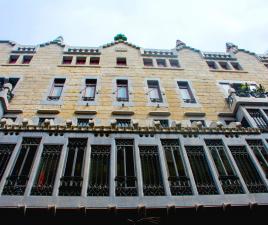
(126, 181)
(224, 65)
(161, 62)
(13, 59)
(178, 179)
(147, 62)
(67, 60)
(72, 180)
(201, 170)
(186, 93)
(236, 66)
(258, 118)
(163, 123)
(17, 181)
(266, 65)
(122, 90)
(81, 60)
(27, 59)
(99, 177)
(123, 122)
(90, 90)
(212, 65)
(151, 171)
(47, 170)
(56, 89)
(5, 154)
(42, 120)
(229, 180)
(83, 122)
(174, 63)
(94, 60)
(154, 91)
(202, 121)
(121, 61)
(244, 123)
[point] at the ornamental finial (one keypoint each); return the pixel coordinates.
(120, 37)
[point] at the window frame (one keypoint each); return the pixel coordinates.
(55, 98)
(187, 104)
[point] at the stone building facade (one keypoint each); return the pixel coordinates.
(121, 128)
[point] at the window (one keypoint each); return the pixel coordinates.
(123, 122)
(151, 171)
(99, 175)
(90, 90)
(229, 180)
(82, 122)
(122, 90)
(161, 62)
(247, 169)
(56, 89)
(244, 123)
(42, 120)
(94, 60)
(163, 123)
(266, 65)
(126, 181)
(202, 121)
(47, 170)
(178, 179)
(147, 62)
(27, 59)
(259, 119)
(121, 61)
(67, 60)
(154, 91)
(13, 59)
(212, 65)
(71, 182)
(80, 60)
(17, 181)
(224, 65)
(261, 153)
(186, 93)
(201, 170)
(236, 66)
(5, 154)
(174, 63)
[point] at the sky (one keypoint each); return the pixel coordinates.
(203, 24)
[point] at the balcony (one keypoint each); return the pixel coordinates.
(237, 97)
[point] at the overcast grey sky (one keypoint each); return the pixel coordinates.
(203, 24)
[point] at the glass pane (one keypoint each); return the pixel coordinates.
(170, 163)
(120, 161)
(56, 91)
(185, 93)
(90, 91)
(153, 92)
(122, 92)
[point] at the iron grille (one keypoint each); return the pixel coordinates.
(71, 182)
(17, 181)
(202, 174)
(229, 180)
(178, 179)
(44, 181)
(5, 154)
(151, 172)
(258, 118)
(261, 154)
(99, 170)
(126, 181)
(247, 169)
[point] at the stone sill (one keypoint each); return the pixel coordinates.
(85, 112)
(162, 68)
(120, 67)
(159, 113)
(15, 65)
(48, 111)
(229, 71)
(87, 66)
(123, 112)
(195, 114)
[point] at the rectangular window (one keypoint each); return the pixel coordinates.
(147, 62)
(90, 90)
(42, 120)
(224, 65)
(99, 176)
(123, 122)
(212, 65)
(174, 63)
(5, 154)
(126, 181)
(229, 180)
(94, 60)
(258, 118)
(122, 90)
(261, 154)
(178, 179)
(13, 59)
(151, 171)
(247, 169)
(83, 122)
(72, 180)
(121, 61)
(154, 91)
(67, 60)
(56, 89)
(27, 59)
(161, 62)
(17, 181)
(186, 93)
(201, 170)
(163, 123)
(236, 66)
(80, 60)
(47, 170)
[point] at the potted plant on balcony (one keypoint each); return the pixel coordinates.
(259, 92)
(243, 90)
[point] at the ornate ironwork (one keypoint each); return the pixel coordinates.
(201, 171)
(151, 172)
(44, 181)
(99, 170)
(178, 179)
(258, 118)
(229, 181)
(5, 154)
(247, 169)
(17, 181)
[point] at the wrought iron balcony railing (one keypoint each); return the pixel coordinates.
(126, 186)
(180, 185)
(70, 186)
(15, 185)
(231, 184)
